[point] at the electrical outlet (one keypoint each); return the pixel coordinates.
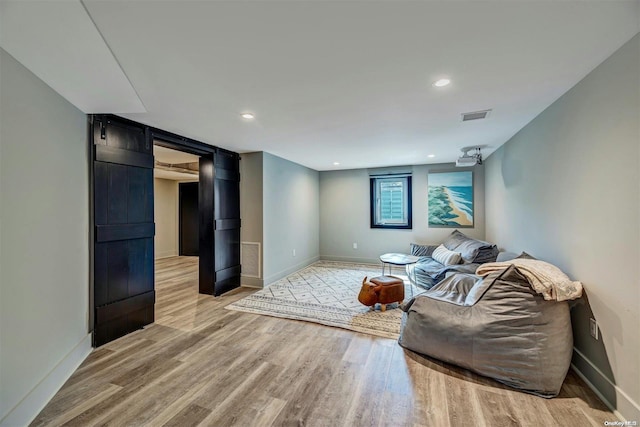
(593, 328)
(355, 246)
(294, 252)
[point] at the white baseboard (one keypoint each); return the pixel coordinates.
(251, 282)
(287, 271)
(625, 407)
(30, 406)
(351, 259)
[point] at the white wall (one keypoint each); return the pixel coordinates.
(44, 245)
(165, 207)
(566, 189)
(251, 207)
(290, 217)
(345, 216)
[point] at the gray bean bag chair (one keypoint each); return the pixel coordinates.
(496, 326)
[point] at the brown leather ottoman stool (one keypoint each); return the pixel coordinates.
(382, 289)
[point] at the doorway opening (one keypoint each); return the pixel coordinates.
(176, 182)
(176, 214)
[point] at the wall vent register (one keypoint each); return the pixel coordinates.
(250, 256)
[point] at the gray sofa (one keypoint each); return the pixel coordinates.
(429, 272)
(496, 326)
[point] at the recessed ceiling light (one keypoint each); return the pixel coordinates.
(336, 163)
(247, 116)
(431, 156)
(441, 82)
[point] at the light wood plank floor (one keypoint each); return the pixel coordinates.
(200, 364)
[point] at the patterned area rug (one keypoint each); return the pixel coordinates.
(327, 293)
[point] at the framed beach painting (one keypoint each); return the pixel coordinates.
(450, 198)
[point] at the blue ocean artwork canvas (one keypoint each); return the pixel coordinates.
(450, 199)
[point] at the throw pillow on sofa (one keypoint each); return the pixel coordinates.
(525, 255)
(472, 250)
(422, 250)
(446, 257)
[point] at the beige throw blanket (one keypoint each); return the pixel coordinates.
(546, 279)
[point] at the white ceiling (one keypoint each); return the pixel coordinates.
(349, 81)
(172, 157)
(60, 44)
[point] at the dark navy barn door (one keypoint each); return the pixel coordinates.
(123, 289)
(188, 219)
(226, 212)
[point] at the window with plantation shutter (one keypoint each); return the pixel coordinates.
(391, 201)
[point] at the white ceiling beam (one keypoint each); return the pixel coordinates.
(59, 43)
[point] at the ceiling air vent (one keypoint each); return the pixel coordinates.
(475, 115)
